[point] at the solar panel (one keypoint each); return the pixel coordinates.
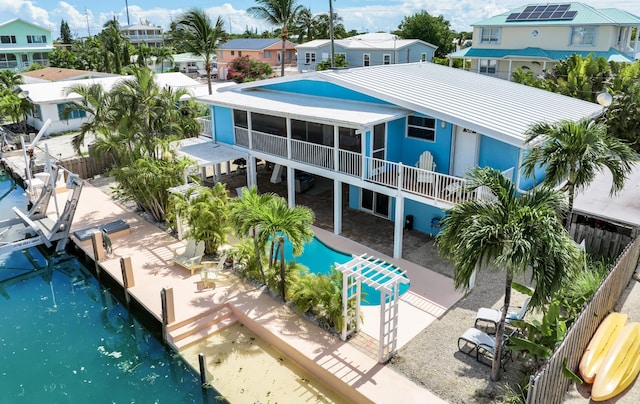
(543, 13)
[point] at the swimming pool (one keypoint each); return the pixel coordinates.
(65, 339)
(319, 258)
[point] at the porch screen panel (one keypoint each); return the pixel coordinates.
(273, 125)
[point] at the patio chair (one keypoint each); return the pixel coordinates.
(426, 163)
(480, 345)
(190, 258)
(490, 317)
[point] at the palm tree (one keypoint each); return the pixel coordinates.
(162, 55)
(95, 103)
(575, 152)
(281, 13)
(9, 79)
(305, 25)
(199, 37)
(515, 232)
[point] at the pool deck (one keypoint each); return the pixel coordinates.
(348, 367)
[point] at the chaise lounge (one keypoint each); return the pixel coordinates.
(480, 345)
(486, 318)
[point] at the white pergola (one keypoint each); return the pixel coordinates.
(383, 277)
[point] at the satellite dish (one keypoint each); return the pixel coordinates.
(604, 99)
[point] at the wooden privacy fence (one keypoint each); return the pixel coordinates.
(599, 241)
(549, 385)
(85, 167)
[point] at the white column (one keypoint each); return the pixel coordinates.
(291, 186)
(252, 176)
(510, 67)
(398, 226)
(288, 125)
(337, 207)
(636, 49)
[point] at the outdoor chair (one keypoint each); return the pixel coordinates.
(426, 163)
(490, 317)
(480, 345)
(190, 258)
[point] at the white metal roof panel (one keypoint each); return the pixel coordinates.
(205, 152)
(345, 113)
(494, 107)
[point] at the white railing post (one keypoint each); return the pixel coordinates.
(400, 177)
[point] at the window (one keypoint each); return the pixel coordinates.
(273, 125)
(240, 119)
(349, 139)
(8, 39)
(279, 57)
(239, 54)
(583, 36)
(312, 132)
(420, 127)
(233, 53)
(309, 57)
(423, 57)
(386, 59)
(266, 55)
(490, 35)
(75, 114)
(41, 58)
(488, 66)
(36, 39)
(366, 59)
(8, 61)
(37, 112)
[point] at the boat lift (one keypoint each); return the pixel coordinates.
(33, 228)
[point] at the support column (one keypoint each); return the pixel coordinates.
(337, 207)
(252, 176)
(510, 68)
(291, 186)
(398, 227)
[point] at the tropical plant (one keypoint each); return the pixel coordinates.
(205, 211)
(518, 233)
(9, 79)
(280, 13)
(433, 30)
(305, 25)
(341, 61)
(16, 107)
(63, 58)
(244, 69)
(580, 77)
(95, 103)
(575, 152)
(114, 48)
(65, 33)
(162, 55)
(198, 36)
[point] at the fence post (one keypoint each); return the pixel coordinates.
(168, 310)
(127, 277)
(98, 246)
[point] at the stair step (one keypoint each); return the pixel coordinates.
(206, 317)
(204, 332)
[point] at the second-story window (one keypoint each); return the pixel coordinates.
(583, 36)
(421, 127)
(240, 119)
(36, 39)
(309, 57)
(386, 59)
(366, 59)
(490, 35)
(8, 39)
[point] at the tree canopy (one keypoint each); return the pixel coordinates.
(434, 30)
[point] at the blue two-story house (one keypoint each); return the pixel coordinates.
(370, 128)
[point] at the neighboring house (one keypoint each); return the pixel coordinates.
(267, 50)
(188, 62)
(50, 99)
(538, 36)
(49, 74)
(147, 34)
(365, 50)
(368, 128)
(23, 43)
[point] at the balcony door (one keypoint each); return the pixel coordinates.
(375, 203)
(465, 151)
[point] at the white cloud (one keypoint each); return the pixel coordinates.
(25, 10)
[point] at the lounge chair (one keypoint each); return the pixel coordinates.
(426, 163)
(490, 317)
(480, 345)
(190, 258)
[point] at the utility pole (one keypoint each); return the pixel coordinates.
(333, 54)
(126, 2)
(86, 14)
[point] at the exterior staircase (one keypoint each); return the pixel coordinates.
(187, 332)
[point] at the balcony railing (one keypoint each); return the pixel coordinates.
(430, 184)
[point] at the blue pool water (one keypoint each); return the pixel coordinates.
(319, 258)
(63, 339)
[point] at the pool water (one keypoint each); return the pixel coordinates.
(319, 258)
(64, 339)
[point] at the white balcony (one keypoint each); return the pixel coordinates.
(429, 184)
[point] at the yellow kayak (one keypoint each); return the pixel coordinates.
(620, 366)
(600, 343)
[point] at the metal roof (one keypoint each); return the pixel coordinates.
(586, 15)
(303, 107)
(611, 55)
(251, 43)
(623, 207)
(357, 43)
(55, 91)
(205, 152)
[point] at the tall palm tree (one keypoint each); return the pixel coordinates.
(199, 36)
(511, 231)
(95, 103)
(575, 152)
(305, 25)
(281, 13)
(163, 54)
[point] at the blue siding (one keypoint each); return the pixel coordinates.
(526, 183)
(322, 89)
(496, 154)
(408, 150)
(354, 197)
(422, 216)
(223, 125)
(395, 135)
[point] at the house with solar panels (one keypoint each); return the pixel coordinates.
(395, 141)
(537, 36)
(266, 50)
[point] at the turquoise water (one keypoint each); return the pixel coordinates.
(319, 258)
(63, 339)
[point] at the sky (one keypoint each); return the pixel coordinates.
(88, 16)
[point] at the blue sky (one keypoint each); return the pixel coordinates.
(88, 16)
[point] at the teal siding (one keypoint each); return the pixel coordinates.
(527, 183)
(223, 125)
(322, 89)
(496, 154)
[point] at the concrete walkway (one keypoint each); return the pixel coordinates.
(341, 365)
